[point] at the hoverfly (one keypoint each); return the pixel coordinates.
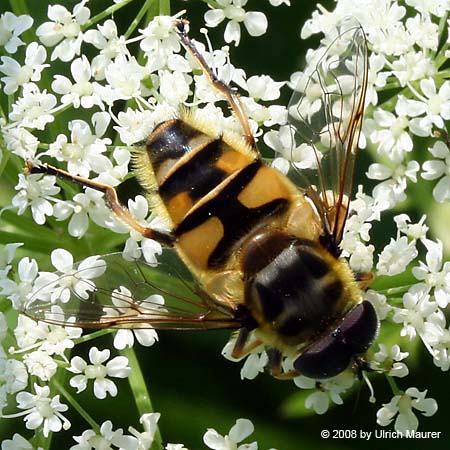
(249, 247)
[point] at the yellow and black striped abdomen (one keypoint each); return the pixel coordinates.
(212, 186)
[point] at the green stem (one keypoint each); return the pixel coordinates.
(395, 389)
(140, 392)
(74, 403)
(108, 11)
(4, 157)
(18, 7)
(94, 335)
(138, 18)
(444, 73)
(395, 290)
(164, 7)
(440, 58)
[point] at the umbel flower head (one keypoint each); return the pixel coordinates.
(81, 88)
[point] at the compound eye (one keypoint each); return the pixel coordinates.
(359, 327)
(332, 354)
(323, 359)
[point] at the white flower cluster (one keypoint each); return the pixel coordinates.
(407, 53)
(154, 86)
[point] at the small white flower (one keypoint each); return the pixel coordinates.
(263, 88)
(17, 292)
(396, 256)
(413, 66)
(17, 75)
(438, 168)
(241, 430)
(160, 42)
(136, 245)
(85, 150)
(110, 45)
(390, 131)
(145, 334)
(76, 279)
(254, 364)
(84, 206)
(64, 30)
(97, 371)
(414, 231)
(41, 410)
(80, 92)
(392, 190)
(107, 437)
(40, 364)
(33, 109)
(437, 105)
(424, 32)
(21, 142)
(134, 126)
(174, 86)
(17, 443)
(35, 192)
(13, 375)
(330, 390)
(255, 22)
(435, 7)
(379, 302)
(124, 77)
(255, 361)
(417, 310)
(401, 407)
(302, 156)
(389, 361)
(11, 27)
(435, 274)
(27, 331)
(149, 422)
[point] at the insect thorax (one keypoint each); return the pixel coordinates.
(295, 289)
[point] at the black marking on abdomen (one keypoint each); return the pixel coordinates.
(237, 220)
(198, 175)
(170, 140)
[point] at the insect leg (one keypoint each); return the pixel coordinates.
(122, 213)
(229, 92)
(274, 365)
(364, 279)
(241, 347)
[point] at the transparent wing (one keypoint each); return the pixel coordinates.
(325, 114)
(110, 292)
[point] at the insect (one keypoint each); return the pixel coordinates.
(249, 248)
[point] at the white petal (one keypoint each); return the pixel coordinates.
(214, 440)
(406, 422)
(62, 260)
(241, 430)
(441, 191)
(428, 87)
(232, 32)
(213, 17)
(256, 23)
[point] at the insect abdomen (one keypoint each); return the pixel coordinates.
(212, 186)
